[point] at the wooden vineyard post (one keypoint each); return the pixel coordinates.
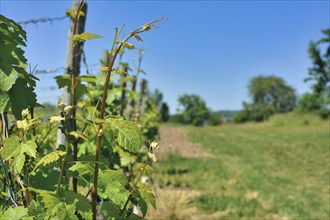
(143, 91)
(72, 67)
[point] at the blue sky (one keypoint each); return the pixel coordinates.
(209, 48)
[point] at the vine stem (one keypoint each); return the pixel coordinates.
(99, 129)
(104, 96)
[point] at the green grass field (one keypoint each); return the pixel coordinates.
(273, 170)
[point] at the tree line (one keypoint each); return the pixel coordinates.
(270, 94)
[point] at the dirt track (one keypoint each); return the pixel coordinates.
(174, 141)
(172, 203)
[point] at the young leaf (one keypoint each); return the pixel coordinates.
(128, 79)
(15, 151)
(104, 69)
(22, 124)
(56, 119)
(87, 78)
(127, 45)
(141, 71)
(148, 170)
(72, 13)
(84, 170)
(50, 158)
(127, 133)
(77, 38)
(152, 157)
(17, 212)
(30, 148)
(147, 194)
(119, 71)
(78, 134)
(138, 38)
(112, 185)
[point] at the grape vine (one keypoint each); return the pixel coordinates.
(116, 137)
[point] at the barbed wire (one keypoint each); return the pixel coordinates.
(41, 20)
(62, 69)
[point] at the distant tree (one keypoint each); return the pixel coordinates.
(320, 70)
(309, 102)
(164, 112)
(194, 110)
(215, 119)
(157, 97)
(320, 74)
(270, 94)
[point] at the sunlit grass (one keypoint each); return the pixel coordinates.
(276, 169)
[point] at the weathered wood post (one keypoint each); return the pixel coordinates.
(123, 91)
(131, 106)
(142, 100)
(70, 66)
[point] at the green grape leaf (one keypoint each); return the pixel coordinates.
(36, 210)
(54, 205)
(16, 29)
(147, 194)
(148, 170)
(72, 13)
(15, 152)
(81, 204)
(30, 148)
(126, 158)
(133, 216)
(111, 210)
(83, 171)
(17, 212)
(29, 78)
(78, 38)
(45, 178)
(116, 176)
(112, 185)
(4, 102)
(21, 97)
(6, 82)
(87, 78)
(48, 198)
(50, 158)
(114, 94)
(65, 81)
(127, 133)
(143, 207)
(82, 168)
